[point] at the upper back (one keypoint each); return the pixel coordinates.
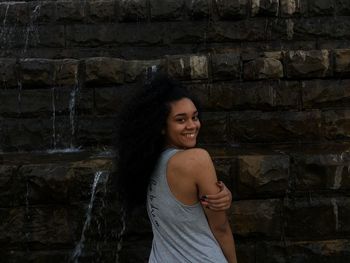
(181, 177)
(180, 228)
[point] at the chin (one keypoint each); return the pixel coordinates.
(190, 145)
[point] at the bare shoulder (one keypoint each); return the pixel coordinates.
(191, 159)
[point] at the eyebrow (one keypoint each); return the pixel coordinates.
(184, 114)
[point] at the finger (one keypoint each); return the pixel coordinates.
(223, 201)
(217, 196)
(217, 206)
(221, 185)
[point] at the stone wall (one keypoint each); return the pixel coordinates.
(274, 80)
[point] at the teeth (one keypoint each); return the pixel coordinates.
(190, 135)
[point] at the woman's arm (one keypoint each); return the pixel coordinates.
(220, 201)
(205, 178)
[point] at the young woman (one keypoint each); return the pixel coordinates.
(157, 159)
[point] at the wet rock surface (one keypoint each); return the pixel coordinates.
(273, 80)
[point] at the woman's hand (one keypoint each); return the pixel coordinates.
(220, 201)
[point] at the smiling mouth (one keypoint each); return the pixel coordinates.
(190, 135)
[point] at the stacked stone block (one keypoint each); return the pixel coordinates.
(273, 80)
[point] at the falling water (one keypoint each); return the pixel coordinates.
(5, 17)
(19, 84)
(31, 28)
(27, 205)
(290, 29)
(53, 118)
(338, 177)
(335, 211)
(120, 234)
(80, 246)
(150, 72)
(72, 110)
(4, 34)
(27, 215)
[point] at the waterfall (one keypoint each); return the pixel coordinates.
(80, 246)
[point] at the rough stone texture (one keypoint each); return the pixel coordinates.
(166, 9)
(263, 68)
(322, 172)
(323, 7)
(37, 72)
(234, 9)
(303, 220)
(201, 92)
(17, 102)
(289, 7)
(273, 80)
(275, 126)
(139, 69)
(265, 7)
(343, 7)
(321, 251)
(95, 131)
(66, 73)
(226, 66)
(198, 9)
(70, 10)
(182, 33)
(309, 28)
(8, 73)
(271, 251)
(104, 70)
(47, 225)
(252, 219)
(8, 184)
(337, 124)
(307, 64)
(326, 93)
(109, 100)
(254, 95)
(226, 172)
(21, 134)
(342, 62)
(102, 11)
(253, 30)
(214, 128)
(133, 10)
(15, 14)
(187, 67)
(245, 251)
(263, 175)
(341, 205)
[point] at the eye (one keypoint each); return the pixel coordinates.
(195, 118)
(180, 120)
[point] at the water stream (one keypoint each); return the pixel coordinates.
(120, 235)
(19, 98)
(335, 211)
(53, 118)
(72, 113)
(32, 29)
(5, 32)
(80, 246)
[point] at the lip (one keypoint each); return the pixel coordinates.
(191, 135)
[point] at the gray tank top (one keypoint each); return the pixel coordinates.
(181, 233)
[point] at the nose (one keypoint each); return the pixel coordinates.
(190, 125)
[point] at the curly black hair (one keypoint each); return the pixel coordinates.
(139, 141)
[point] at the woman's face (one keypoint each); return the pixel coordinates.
(182, 125)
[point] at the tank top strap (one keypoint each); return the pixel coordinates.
(168, 153)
